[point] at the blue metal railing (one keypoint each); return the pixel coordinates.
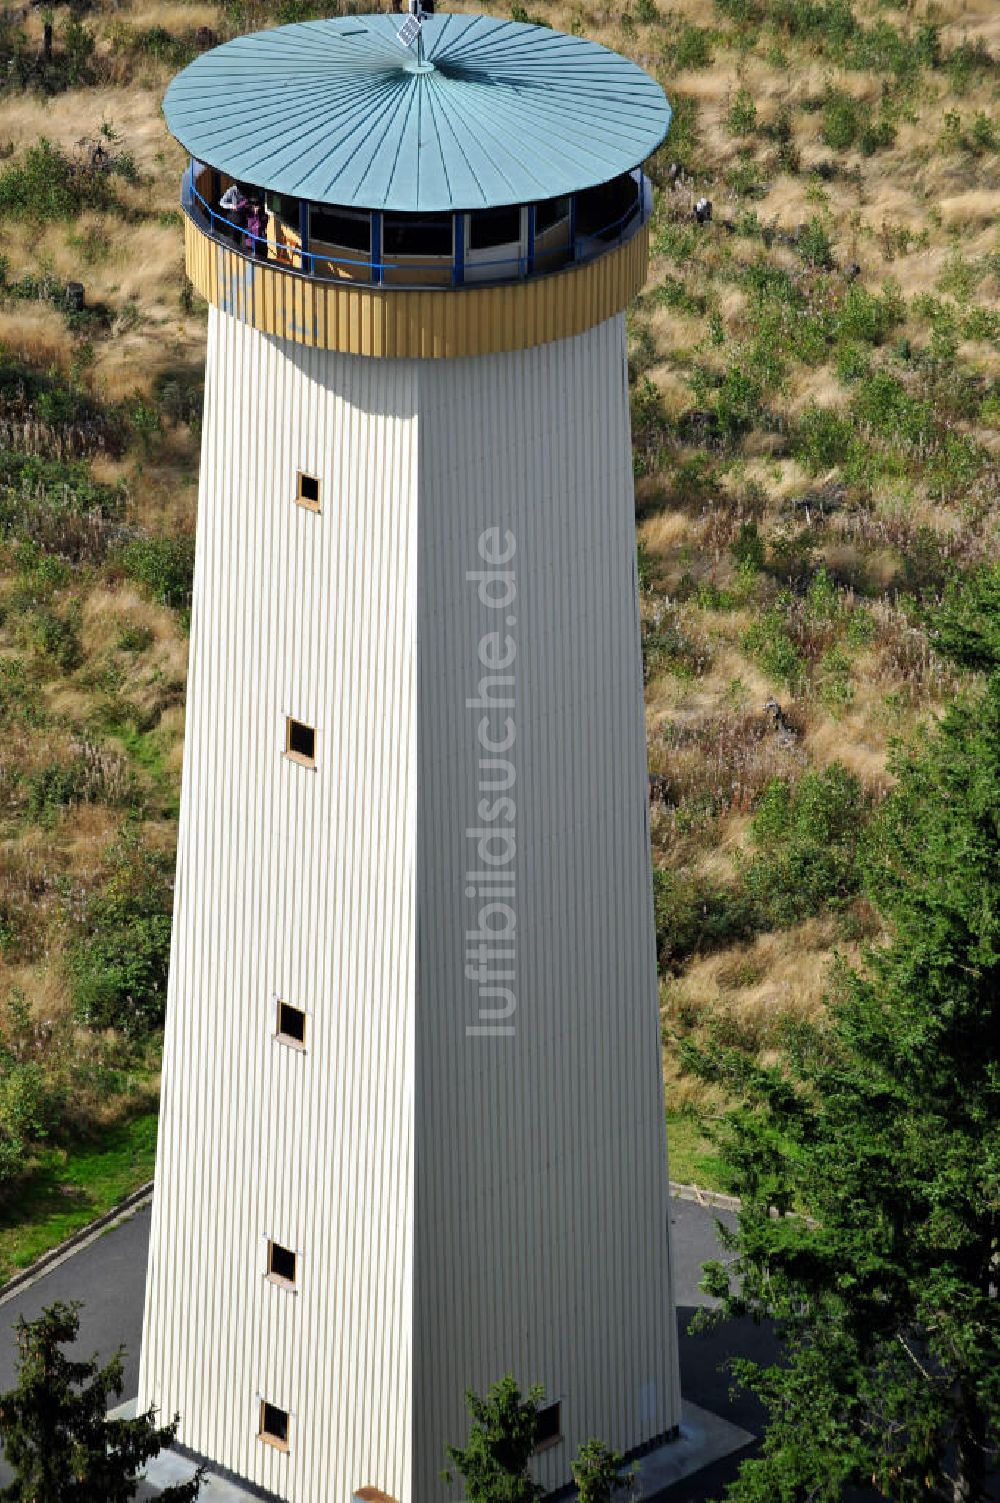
(578, 249)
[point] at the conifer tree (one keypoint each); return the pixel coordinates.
(502, 1434)
(877, 1143)
(55, 1429)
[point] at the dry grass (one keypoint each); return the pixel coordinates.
(900, 212)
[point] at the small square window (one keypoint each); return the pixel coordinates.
(282, 1264)
(548, 1431)
(307, 491)
(300, 742)
(291, 1025)
(274, 1425)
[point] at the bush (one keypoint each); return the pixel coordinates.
(692, 48)
(164, 565)
(93, 775)
(46, 185)
(823, 439)
(742, 116)
(694, 914)
(55, 637)
(22, 1114)
(841, 120)
(868, 317)
(806, 839)
(882, 404)
(814, 245)
(768, 641)
(118, 969)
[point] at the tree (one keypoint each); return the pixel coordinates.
(868, 1163)
(502, 1434)
(601, 1475)
(55, 1429)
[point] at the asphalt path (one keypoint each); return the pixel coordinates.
(108, 1276)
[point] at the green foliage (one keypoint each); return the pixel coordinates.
(164, 565)
(870, 317)
(741, 118)
(877, 1142)
(118, 968)
(694, 915)
(154, 42)
(668, 645)
(25, 1101)
(814, 245)
(841, 119)
(689, 47)
(806, 839)
(493, 1465)
(45, 184)
(882, 404)
(56, 1434)
(823, 439)
(768, 640)
(749, 550)
(601, 1475)
(966, 626)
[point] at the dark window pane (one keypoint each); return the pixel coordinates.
(301, 740)
(309, 489)
(494, 227)
(549, 213)
(282, 1262)
(291, 1022)
(549, 1424)
(337, 228)
(428, 236)
(274, 1422)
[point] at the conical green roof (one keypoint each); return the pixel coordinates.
(341, 112)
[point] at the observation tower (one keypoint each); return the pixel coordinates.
(412, 1131)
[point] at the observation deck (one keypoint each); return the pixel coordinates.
(487, 195)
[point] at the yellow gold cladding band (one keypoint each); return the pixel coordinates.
(399, 323)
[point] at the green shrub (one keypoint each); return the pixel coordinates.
(118, 968)
(742, 117)
(694, 915)
(806, 846)
(869, 317)
(690, 48)
(22, 1114)
(841, 120)
(822, 439)
(768, 641)
(55, 637)
(92, 775)
(164, 565)
(882, 404)
(814, 245)
(748, 550)
(44, 184)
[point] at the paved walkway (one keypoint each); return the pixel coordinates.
(109, 1277)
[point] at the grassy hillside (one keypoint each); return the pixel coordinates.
(815, 412)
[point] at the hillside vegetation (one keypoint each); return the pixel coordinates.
(815, 413)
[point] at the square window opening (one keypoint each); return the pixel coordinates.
(548, 1431)
(300, 742)
(291, 1027)
(274, 1425)
(307, 491)
(282, 1263)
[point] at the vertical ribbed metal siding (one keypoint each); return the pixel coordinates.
(283, 889)
(541, 1190)
(541, 1230)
